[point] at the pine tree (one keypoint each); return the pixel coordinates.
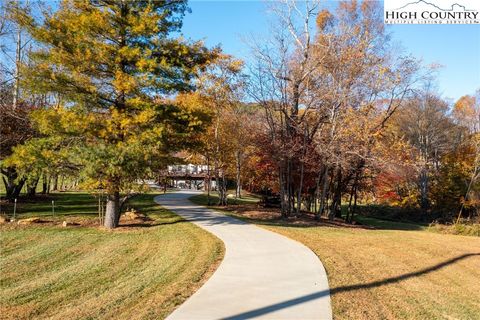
(114, 64)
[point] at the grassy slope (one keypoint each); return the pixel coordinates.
(90, 273)
(394, 274)
(372, 272)
(245, 199)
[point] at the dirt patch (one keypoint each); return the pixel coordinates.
(29, 221)
(133, 215)
(126, 223)
(43, 222)
(70, 224)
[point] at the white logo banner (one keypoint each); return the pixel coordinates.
(432, 11)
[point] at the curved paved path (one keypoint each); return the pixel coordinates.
(263, 275)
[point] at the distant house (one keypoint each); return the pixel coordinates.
(188, 176)
(188, 168)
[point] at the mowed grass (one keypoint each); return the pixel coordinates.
(140, 272)
(391, 274)
(245, 199)
(394, 272)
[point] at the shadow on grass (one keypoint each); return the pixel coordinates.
(320, 294)
(66, 203)
(150, 225)
(155, 214)
(60, 209)
(389, 225)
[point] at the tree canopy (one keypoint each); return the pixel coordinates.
(113, 66)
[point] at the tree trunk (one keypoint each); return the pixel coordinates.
(16, 81)
(288, 187)
(424, 201)
(337, 200)
(238, 191)
(353, 193)
(335, 195)
(354, 209)
(316, 194)
(323, 197)
(208, 181)
(308, 203)
(224, 190)
(283, 202)
(12, 187)
(349, 208)
(55, 183)
(32, 188)
(300, 187)
(302, 171)
(220, 184)
(44, 184)
(112, 212)
(221, 187)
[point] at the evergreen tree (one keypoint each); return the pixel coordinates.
(114, 64)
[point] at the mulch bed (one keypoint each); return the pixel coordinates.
(273, 215)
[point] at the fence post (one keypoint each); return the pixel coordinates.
(15, 209)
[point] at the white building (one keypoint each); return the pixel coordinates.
(190, 176)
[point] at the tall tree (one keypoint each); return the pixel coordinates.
(16, 102)
(467, 114)
(220, 90)
(309, 81)
(426, 126)
(114, 64)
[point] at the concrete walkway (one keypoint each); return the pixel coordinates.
(263, 275)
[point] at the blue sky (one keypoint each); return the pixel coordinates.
(455, 47)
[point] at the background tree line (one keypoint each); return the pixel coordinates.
(334, 117)
(326, 114)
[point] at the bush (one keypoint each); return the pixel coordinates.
(409, 214)
(466, 229)
(393, 213)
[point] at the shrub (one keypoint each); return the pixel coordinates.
(466, 229)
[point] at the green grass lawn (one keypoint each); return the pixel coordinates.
(398, 271)
(245, 199)
(66, 204)
(386, 224)
(140, 272)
